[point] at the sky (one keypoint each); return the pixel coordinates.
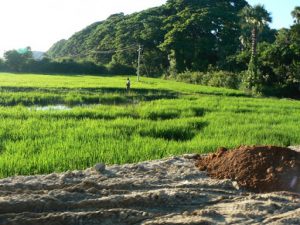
(280, 11)
(41, 23)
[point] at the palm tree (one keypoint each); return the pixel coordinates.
(256, 17)
(296, 14)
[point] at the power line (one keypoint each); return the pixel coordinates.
(111, 51)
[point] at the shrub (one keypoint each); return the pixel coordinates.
(120, 69)
(2, 65)
(192, 77)
(212, 78)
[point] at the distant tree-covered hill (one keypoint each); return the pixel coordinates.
(180, 35)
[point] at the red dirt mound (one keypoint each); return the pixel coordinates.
(255, 168)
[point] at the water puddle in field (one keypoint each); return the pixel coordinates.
(51, 107)
(59, 107)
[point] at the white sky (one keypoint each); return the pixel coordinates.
(41, 23)
(280, 11)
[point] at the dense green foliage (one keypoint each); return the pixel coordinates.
(17, 62)
(157, 118)
(279, 63)
(193, 34)
(212, 78)
(256, 18)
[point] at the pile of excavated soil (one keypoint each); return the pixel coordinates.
(255, 168)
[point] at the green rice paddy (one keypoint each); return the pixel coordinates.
(103, 123)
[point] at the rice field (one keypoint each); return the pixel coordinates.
(97, 121)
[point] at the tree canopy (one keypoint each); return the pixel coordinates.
(296, 14)
(256, 18)
(16, 60)
(194, 34)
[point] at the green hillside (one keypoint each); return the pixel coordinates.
(195, 33)
(59, 122)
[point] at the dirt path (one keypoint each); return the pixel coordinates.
(169, 191)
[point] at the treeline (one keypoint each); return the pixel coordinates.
(180, 35)
(23, 62)
(273, 70)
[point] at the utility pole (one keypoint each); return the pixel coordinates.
(139, 62)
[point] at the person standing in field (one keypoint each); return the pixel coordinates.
(128, 85)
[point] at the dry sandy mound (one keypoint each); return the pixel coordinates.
(168, 191)
(256, 168)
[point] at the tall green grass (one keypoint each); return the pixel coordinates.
(156, 119)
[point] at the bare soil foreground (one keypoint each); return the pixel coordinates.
(169, 191)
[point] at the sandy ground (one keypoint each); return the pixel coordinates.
(169, 191)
